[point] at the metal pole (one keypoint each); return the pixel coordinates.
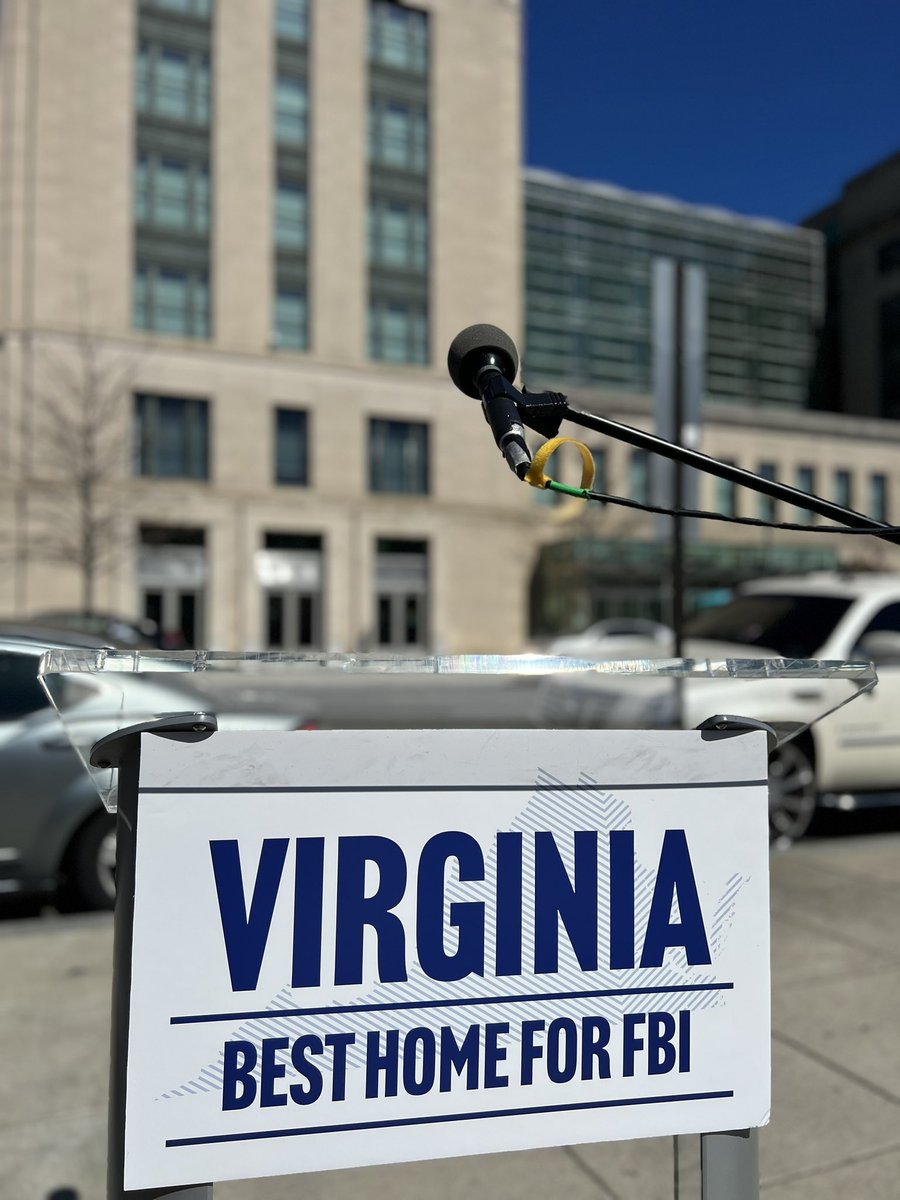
(676, 576)
(677, 579)
(126, 841)
(729, 1165)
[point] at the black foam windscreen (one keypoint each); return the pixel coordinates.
(467, 351)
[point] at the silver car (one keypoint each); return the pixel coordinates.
(56, 838)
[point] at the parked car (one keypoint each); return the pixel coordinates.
(56, 838)
(127, 633)
(849, 759)
(613, 638)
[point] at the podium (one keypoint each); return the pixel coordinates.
(354, 945)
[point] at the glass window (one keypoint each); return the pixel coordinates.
(398, 37)
(766, 506)
(726, 494)
(20, 692)
(601, 469)
(292, 19)
(291, 447)
(173, 87)
(398, 331)
(401, 592)
(171, 194)
(291, 319)
(192, 8)
(878, 497)
(172, 291)
(172, 83)
(882, 651)
(167, 300)
(171, 437)
(291, 111)
(290, 216)
(275, 623)
(292, 619)
(142, 203)
(306, 620)
(792, 626)
(398, 135)
(398, 235)
(843, 488)
(806, 482)
(639, 476)
(398, 457)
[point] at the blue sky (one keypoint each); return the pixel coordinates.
(758, 106)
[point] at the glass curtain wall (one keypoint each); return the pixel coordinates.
(589, 251)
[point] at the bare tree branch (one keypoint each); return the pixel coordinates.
(81, 422)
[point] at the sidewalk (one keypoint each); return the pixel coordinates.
(835, 1131)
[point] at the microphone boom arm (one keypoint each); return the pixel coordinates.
(544, 412)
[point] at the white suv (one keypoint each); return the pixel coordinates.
(851, 756)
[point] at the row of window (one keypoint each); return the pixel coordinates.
(176, 300)
(172, 440)
(398, 129)
(172, 190)
(843, 489)
(397, 36)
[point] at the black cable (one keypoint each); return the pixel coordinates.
(700, 515)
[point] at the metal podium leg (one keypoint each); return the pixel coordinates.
(126, 838)
(729, 1165)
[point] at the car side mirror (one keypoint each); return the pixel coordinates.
(882, 646)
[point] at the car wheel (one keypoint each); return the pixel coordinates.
(792, 792)
(90, 875)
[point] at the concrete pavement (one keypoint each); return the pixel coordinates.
(835, 1131)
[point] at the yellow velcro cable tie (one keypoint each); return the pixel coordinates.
(535, 475)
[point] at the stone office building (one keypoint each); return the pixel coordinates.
(859, 361)
(248, 233)
(235, 242)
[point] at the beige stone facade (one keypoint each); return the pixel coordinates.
(66, 275)
(66, 257)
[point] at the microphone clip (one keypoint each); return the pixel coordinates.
(543, 412)
(507, 411)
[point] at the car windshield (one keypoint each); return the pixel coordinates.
(20, 692)
(792, 626)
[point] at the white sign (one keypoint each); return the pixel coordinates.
(378, 946)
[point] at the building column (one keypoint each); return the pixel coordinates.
(243, 175)
(338, 181)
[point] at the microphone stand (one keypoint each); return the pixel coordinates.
(544, 412)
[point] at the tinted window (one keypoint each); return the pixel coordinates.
(20, 692)
(886, 619)
(792, 626)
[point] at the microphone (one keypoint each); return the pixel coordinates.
(483, 361)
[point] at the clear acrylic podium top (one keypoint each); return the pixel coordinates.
(97, 692)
